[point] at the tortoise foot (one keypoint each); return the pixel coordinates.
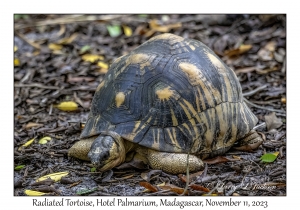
(174, 163)
(250, 142)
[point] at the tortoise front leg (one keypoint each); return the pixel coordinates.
(174, 163)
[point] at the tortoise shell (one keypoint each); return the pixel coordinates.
(171, 94)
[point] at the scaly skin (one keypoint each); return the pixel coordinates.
(173, 163)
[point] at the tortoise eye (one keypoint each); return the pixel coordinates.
(104, 156)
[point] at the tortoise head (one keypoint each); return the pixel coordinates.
(107, 151)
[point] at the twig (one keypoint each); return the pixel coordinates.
(266, 102)
(51, 108)
(281, 114)
(210, 192)
(36, 46)
(281, 151)
(187, 175)
(84, 173)
(261, 107)
(70, 19)
(256, 165)
(262, 125)
(250, 93)
(36, 85)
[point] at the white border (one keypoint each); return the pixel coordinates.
(143, 7)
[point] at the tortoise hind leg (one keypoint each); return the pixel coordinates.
(174, 163)
(250, 141)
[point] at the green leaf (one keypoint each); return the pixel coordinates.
(19, 167)
(85, 191)
(143, 15)
(93, 169)
(268, 158)
(84, 49)
(114, 30)
(19, 16)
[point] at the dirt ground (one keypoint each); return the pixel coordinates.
(63, 58)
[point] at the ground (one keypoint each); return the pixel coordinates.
(59, 58)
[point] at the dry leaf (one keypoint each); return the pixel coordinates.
(275, 184)
(149, 186)
(34, 193)
(127, 177)
(245, 70)
(82, 125)
(103, 71)
(16, 62)
(44, 182)
(36, 52)
(102, 64)
(270, 46)
(192, 176)
(178, 190)
(92, 58)
(219, 159)
(31, 125)
(244, 48)
(278, 57)
(272, 122)
(67, 106)
(55, 47)
(247, 147)
(236, 157)
(80, 79)
(55, 176)
(266, 53)
(68, 40)
(238, 51)
(161, 184)
(266, 71)
(173, 188)
(148, 175)
(127, 31)
(155, 27)
(199, 188)
(44, 140)
(46, 189)
(29, 142)
(107, 176)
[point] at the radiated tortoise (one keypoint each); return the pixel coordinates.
(168, 97)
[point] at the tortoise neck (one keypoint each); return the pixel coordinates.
(125, 146)
(129, 146)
